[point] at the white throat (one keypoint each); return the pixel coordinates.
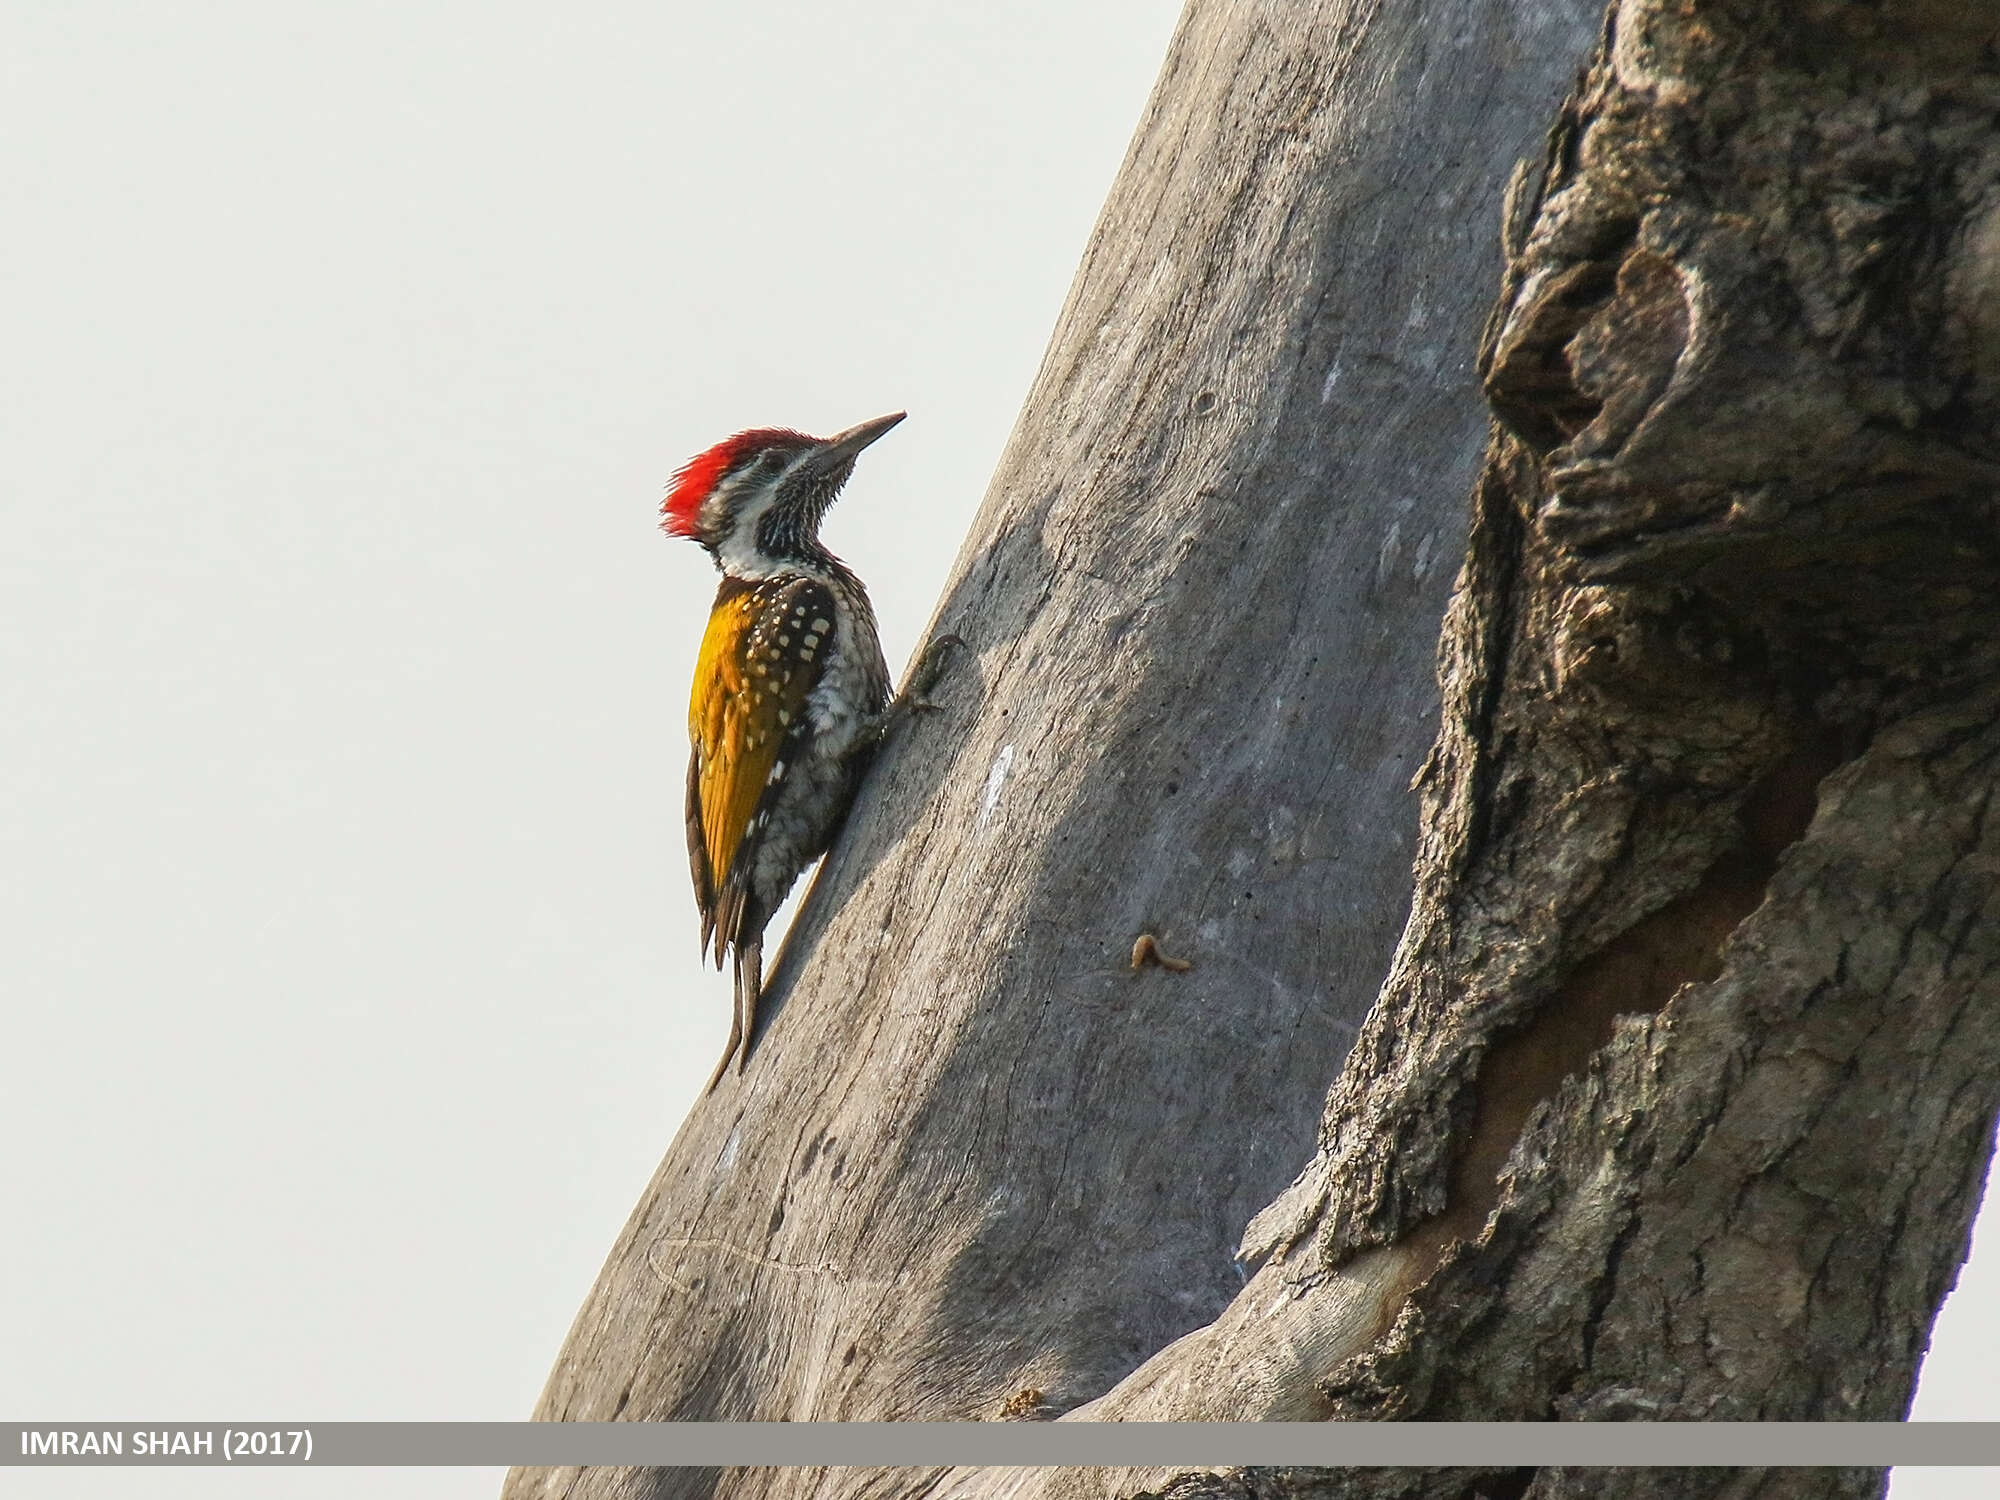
(736, 549)
(746, 502)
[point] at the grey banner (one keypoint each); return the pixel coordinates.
(922, 1444)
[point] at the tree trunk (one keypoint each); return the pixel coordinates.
(1677, 1099)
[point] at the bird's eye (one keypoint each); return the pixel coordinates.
(772, 462)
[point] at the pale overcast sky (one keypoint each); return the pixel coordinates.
(349, 951)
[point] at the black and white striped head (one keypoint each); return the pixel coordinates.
(756, 500)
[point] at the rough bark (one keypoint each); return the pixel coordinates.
(1681, 1090)
(1543, 1484)
(1678, 1096)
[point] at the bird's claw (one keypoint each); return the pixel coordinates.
(923, 677)
(931, 665)
(926, 674)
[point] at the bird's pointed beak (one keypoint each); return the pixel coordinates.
(844, 445)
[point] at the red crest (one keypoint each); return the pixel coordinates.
(695, 480)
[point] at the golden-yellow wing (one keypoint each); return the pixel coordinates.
(750, 689)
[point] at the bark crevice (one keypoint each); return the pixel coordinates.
(1720, 682)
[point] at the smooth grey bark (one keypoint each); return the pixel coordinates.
(1679, 1094)
(975, 1155)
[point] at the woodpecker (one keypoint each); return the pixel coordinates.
(791, 693)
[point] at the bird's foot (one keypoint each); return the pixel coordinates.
(924, 676)
(929, 670)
